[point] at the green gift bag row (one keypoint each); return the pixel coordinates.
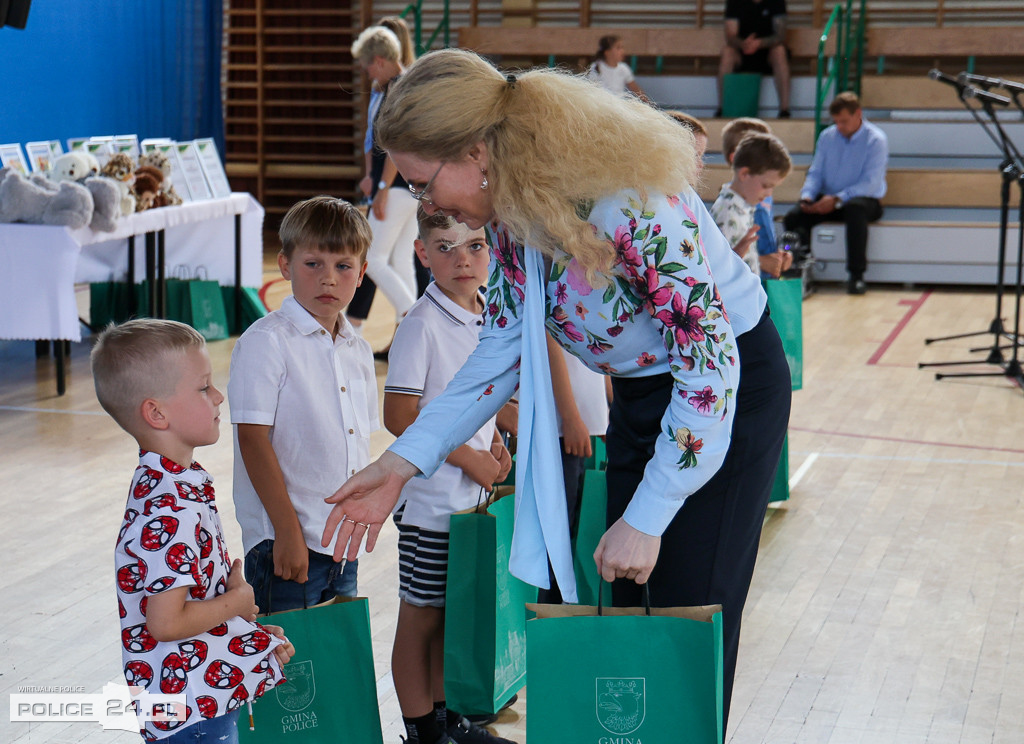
(331, 690)
(201, 303)
(485, 615)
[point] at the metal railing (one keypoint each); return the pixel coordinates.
(845, 67)
(444, 26)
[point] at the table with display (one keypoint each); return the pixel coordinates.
(41, 264)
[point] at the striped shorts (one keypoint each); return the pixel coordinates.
(422, 564)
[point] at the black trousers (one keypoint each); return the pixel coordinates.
(856, 214)
(709, 549)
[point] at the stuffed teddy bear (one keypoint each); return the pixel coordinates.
(121, 168)
(147, 188)
(22, 200)
(82, 168)
(158, 159)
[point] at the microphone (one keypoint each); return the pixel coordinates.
(947, 79)
(987, 82)
(985, 97)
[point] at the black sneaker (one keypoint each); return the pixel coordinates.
(467, 732)
(856, 287)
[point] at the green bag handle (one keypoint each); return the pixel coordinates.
(600, 593)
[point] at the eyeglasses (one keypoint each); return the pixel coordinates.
(421, 195)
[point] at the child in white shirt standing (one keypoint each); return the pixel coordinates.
(435, 338)
(303, 395)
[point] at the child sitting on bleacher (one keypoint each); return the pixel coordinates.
(759, 164)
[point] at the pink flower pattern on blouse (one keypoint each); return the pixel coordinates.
(670, 284)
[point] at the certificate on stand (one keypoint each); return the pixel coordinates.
(76, 143)
(177, 170)
(42, 154)
(100, 148)
(12, 157)
(213, 167)
(193, 171)
(128, 144)
(150, 143)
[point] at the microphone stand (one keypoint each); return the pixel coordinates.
(1010, 170)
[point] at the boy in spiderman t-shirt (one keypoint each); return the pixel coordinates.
(187, 614)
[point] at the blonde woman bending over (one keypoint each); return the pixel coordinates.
(598, 240)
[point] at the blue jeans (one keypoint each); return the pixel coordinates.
(325, 580)
(220, 730)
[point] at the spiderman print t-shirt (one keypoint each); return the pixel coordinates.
(171, 537)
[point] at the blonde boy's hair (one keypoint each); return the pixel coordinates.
(328, 224)
(737, 129)
(377, 41)
(427, 223)
(555, 143)
(130, 363)
(760, 152)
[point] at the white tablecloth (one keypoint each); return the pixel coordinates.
(40, 264)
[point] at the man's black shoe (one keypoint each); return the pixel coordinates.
(856, 287)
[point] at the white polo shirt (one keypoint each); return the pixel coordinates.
(588, 391)
(615, 79)
(319, 396)
(430, 346)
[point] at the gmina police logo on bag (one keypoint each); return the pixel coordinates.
(620, 706)
(297, 694)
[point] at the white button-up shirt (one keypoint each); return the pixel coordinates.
(319, 396)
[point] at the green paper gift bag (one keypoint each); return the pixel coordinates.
(592, 525)
(780, 488)
(331, 692)
(113, 302)
(624, 676)
(203, 305)
(785, 299)
(252, 308)
(485, 612)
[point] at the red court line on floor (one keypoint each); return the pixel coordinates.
(900, 440)
(914, 305)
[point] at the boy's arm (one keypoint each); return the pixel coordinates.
(575, 436)
(480, 465)
(291, 556)
(172, 616)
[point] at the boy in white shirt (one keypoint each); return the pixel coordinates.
(760, 164)
(303, 396)
(433, 341)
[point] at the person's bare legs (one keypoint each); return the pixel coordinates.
(780, 71)
(417, 659)
(729, 61)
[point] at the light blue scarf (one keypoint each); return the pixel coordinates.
(541, 521)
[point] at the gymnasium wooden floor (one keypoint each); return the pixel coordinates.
(887, 602)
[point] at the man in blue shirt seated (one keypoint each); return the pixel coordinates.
(845, 182)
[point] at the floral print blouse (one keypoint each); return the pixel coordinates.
(674, 302)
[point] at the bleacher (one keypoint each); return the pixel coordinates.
(941, 209)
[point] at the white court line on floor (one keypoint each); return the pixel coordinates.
(804, 467)
(902, 458)
(29, 409)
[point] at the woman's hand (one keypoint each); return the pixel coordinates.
(625, 552)
(364, 502)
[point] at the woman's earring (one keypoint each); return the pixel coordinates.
(483, 185)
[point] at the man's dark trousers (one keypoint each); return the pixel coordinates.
(856, 214)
